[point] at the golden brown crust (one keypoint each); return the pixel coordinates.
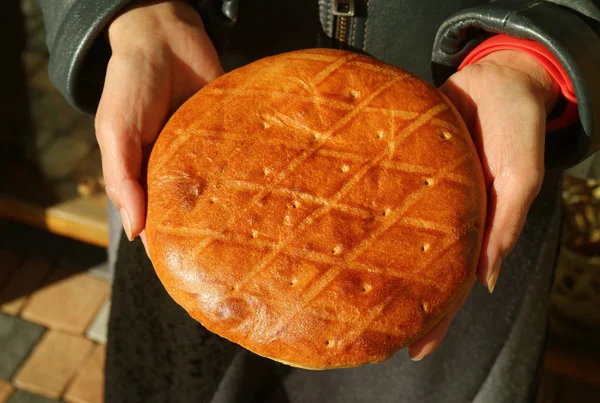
(318, 207)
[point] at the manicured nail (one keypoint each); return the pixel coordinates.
(415, 358)
(126, 224)
(494, 276)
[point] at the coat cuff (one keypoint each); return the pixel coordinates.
(76, 74)
(563, 33)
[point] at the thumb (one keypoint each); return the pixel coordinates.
(129, 117)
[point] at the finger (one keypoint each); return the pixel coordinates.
(509, 200)
(510, 145)
(130, 114)
(428, 343)
(144, 242)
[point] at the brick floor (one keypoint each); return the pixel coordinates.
(53, 363)
(69, 301)
(17, 339)
(9, 263)
(98, 329)
(22, 396)
(41, 365)
(88, 386)
(6, 389)
(20, 286)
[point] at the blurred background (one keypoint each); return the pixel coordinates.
(54, 280)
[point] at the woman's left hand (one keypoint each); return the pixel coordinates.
(504, 99)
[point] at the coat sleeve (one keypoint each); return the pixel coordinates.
(78, 51)
(570, 29)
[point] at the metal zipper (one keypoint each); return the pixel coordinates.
(343, 12)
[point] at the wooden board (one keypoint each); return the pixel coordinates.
(81, 218)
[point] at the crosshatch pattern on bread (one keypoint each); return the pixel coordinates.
(318, 207)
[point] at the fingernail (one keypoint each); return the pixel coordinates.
(494, 276)
(126, 224)
(415, 358)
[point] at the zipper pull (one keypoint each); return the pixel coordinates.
(343, 11)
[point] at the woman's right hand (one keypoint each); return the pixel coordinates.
(161, 56)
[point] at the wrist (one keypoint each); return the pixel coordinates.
(523, 59)
(150, 21)
(537, 76)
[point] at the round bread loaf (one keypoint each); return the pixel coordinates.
(318, 207)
